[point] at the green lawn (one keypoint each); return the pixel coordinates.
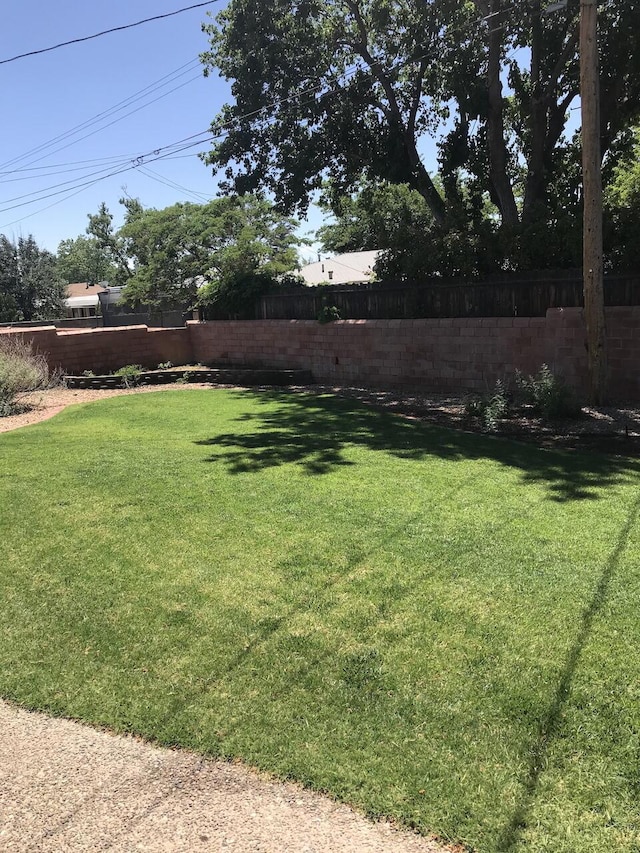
(430, 625)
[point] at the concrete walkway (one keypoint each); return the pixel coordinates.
(67, 787)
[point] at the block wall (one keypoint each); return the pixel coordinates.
(438, 354)
(74, 351)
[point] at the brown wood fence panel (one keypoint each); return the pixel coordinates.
(529, 295)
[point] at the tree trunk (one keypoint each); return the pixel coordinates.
(495, 126)
(535, 182)
(427, 189)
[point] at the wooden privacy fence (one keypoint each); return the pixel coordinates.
(528, 295)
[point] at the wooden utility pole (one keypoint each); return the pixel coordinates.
(592, 195)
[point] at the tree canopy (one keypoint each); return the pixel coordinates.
(168, 254)
(622, 211)
(83, 259)
(378, 216)
(349, 89)
(30, 288)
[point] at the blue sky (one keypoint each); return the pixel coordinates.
(46, 96)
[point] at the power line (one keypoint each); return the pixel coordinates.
(106, 32)
(147, 90)
(161, 179)
(137, 96)
(217, 133)
(73, 191)
(60, 168)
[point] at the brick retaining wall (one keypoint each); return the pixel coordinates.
(439, 354)
(108, 349)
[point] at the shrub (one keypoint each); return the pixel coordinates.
(491, 407)
(21, 370)
(165, 365)
(548, 394)
(130, 374)
(328, 313)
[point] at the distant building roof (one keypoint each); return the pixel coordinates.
(348, 268)
(84, 288)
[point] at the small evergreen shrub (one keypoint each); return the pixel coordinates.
(329, 313)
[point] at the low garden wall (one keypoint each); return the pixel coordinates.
(450, 354)
(453, 354)
(102, 350)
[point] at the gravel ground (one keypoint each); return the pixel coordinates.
(67, 787)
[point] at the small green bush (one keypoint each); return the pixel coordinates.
(548, 394)
(490, 408)
(21, 370)
(130, 374)
(165, 365)
(328, 313)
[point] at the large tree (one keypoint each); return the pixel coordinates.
(111, 245)
(378, 216)
(622, 212)
(348, 88)
(84, 259)
(170, 253)
(30, 287)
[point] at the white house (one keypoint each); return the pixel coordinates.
(82, 299)
(349, 268)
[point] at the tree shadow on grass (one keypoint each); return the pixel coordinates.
(549, 726)
(314, 431)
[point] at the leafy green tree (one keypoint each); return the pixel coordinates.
(347, 88)
(30, 287)
(622, 212)
(83, 259)
(397, 220)
(175, 250)
(8, 308)
(379, 216)
(111, 246)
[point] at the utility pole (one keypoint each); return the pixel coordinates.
(592, 195)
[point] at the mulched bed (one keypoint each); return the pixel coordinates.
(609, 429)
(613, 430)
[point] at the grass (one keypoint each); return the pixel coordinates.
(430, 625)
